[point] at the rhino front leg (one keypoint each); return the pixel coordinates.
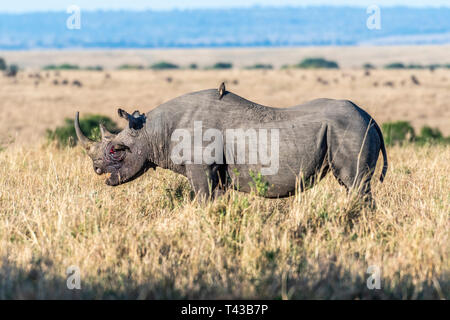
(204, 179)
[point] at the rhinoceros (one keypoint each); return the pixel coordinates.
(190, 135)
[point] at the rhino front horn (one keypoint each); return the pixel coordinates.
(85, 141)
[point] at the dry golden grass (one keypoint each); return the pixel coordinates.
(147, 239)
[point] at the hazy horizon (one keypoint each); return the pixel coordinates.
(25, 6)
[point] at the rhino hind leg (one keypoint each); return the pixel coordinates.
(353, 155)
(355, 179)
(359, 185)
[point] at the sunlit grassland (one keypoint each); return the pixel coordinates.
(149, 239)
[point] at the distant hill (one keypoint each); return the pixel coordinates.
(258, 26)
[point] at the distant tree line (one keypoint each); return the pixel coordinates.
(307, 63)
(400, 65)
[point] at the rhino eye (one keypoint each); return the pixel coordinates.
(115, 154)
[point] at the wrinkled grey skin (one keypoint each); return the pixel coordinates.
(316, 137)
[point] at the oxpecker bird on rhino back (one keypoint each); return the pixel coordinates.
(227, 142)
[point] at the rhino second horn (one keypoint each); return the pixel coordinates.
(106, 135)
(85, 141)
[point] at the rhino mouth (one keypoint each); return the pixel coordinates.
(115, 178)
(113, 160)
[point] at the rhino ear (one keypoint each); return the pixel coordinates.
(135, 121)
(123, 114)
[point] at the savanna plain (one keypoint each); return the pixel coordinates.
(148, 239)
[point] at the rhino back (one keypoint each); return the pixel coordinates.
(306, 131)
(233, 110)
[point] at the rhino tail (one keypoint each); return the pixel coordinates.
(383, 150)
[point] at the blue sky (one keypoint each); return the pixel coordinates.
(61, 5)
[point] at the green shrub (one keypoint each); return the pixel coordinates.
(163, 65)
(430, 135)
(398, 132)
(64, 66)
(368, 66)
(94, 68)
(260, 66)
(419, 66)
(395, 65)
(193, 66)
(2, 64)
(11, 70)
(66, 136)
(258, 184)
(131, 67)
(222, 65)
(316, 63)
(399, 65)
